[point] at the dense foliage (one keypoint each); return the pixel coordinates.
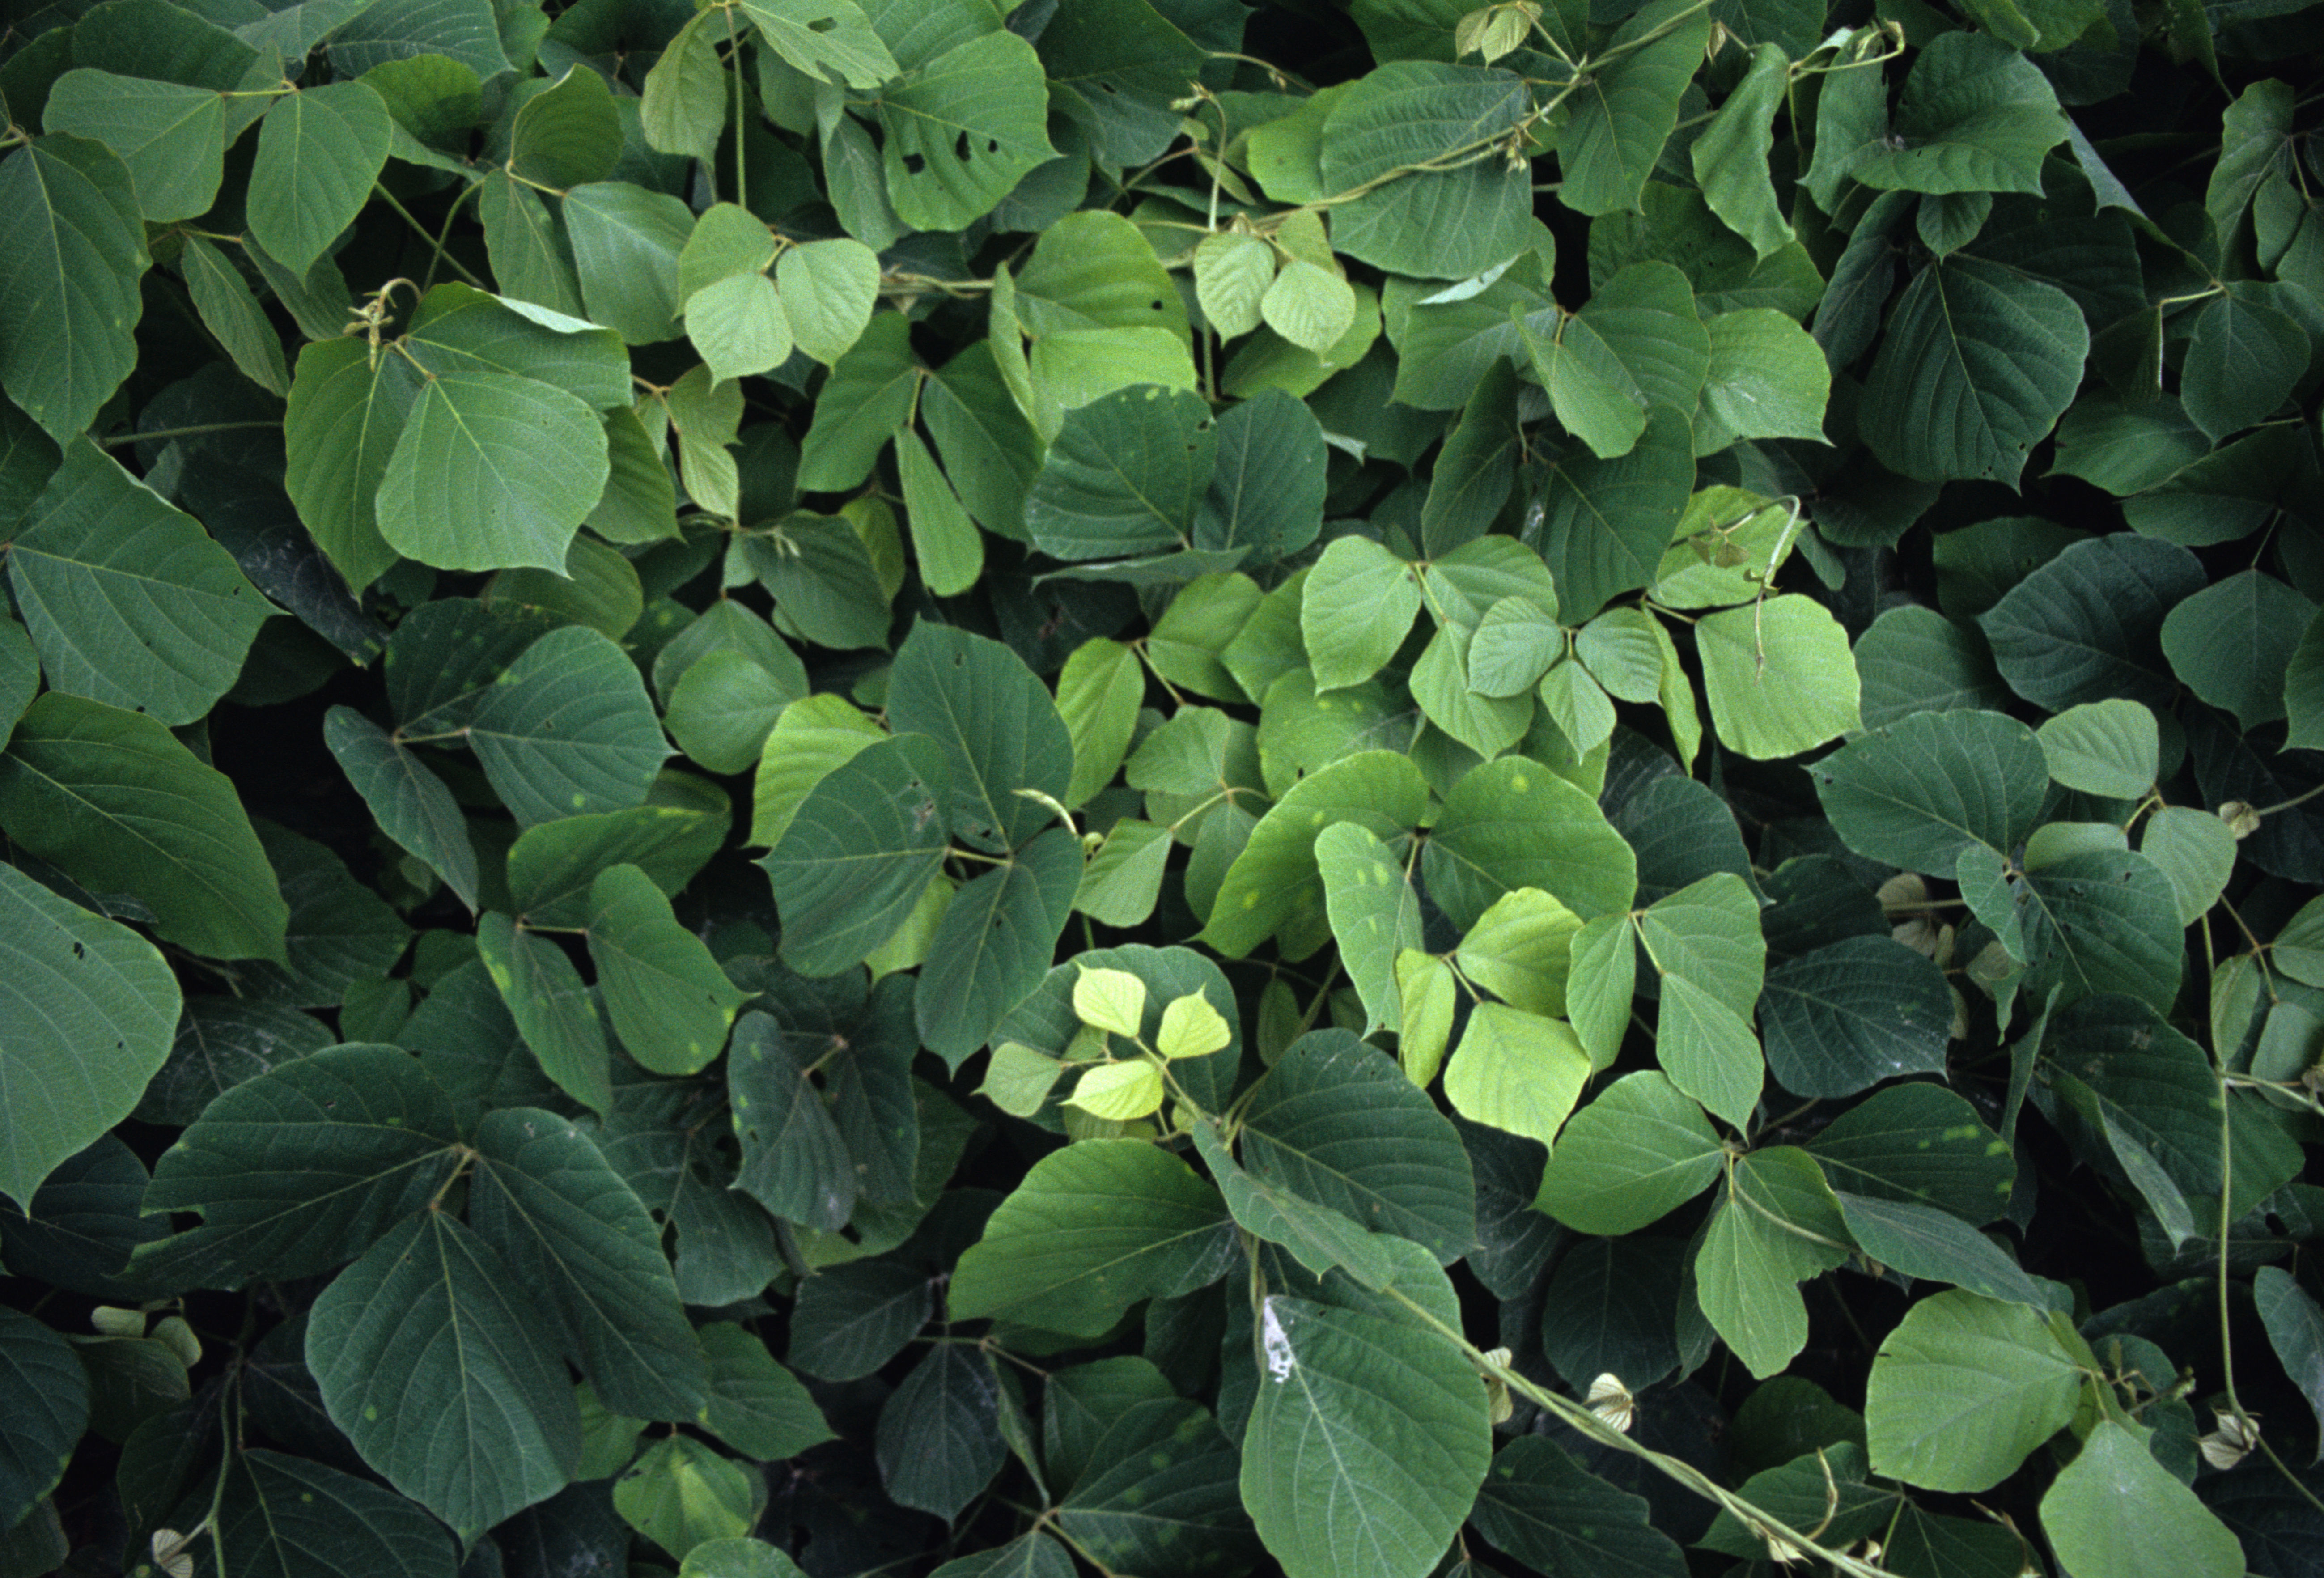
(1359, 788)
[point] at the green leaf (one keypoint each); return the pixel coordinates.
(867, 398)
(1519, 950)
(1091, 1229)
(814, 736)
(1160, 1480)
(829, 38)
(1918, 792)
(530, 254)
(1267, 489)
(1918, 1144)
(1627, 111)
(682, 108)
(1936, 1245)
(1636, 1153)
(939, 1442)
(1607, 523)
(1364, 1449)
(738, 325)
(2114, 1510)
(1514, 823)
(1546, 1510)
(2087, 625)
(1233, 271)
(998, 730)
(127, 600)
(1963, 1389)
(1848, 1015)
(69, 222)
(669, 1002)
(171, 137)
(1098, 694)
(228, 310)
(1779, 1226)
(569, 134)
(1731, 158)
(990, 450)
(1318, 1237)
(2106, 748)
(995, 942)
(285, 1515)
(862, 846)
(1123, 62)
(116, 801)
(320, 149)
(299, 1169)
(1516, 1071)
(682, 1495)
(1274, 882)
(553, 1010)
(1374, 914)
(756, 1405)
(431, 1369)
(1978, 363)
(347, 413)
(492, 469)
(1444, 223)
(1336, 1122)
(2102, 921)
(2232, 644)
(1127, 475)
(1767, 379)
(794, 1161)
(1604, 969)
(2243, 360)
(2195, 850)
(723, 708)
(1357, 607)
(550, 867)
(399, 29)
(569, 729)
(2295, 1330)
(963, 129)
(625, 245)
(85, 1017)
(569, 1227)
(1976, 115)
(828, 290)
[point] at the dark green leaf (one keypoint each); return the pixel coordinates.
(995, 942)
(864, 843)
(47, 1397)
(1846, 1017)
(1543, 1508)
(668, 1001)
(569, 729)
(69, 219)
(1921, 790)
(939, 1441)
(554, 1011)
(1918, 1144)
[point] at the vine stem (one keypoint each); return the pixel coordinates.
(1588, 1424)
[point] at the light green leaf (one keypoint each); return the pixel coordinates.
(1309, 305)
(1357, 608)
(1123, 879)
(569, 729)
(127, 600)
(491, 470)
(964, 129)
(434, 1372)
(320, 149)
(739, 326)
(1364, 1449)
(1779, 676)
(1275, 882)
(1516, 1071)
(828, 290)
(829, 38)
(1090, 1231)
(1627, 111)
(945, 540)
(1374, 913)
(2115, 1510)
(346, 412)
(1731, 158)
(1519, 950)
(553, 1010)
(171, 137)
(1919, 791)
(577, 1238)
(861, 844)
(683, 108)
(682, 1495)
(1636, 1153)
(1232, 272)
(1756, 1253)
(86, 1011)
(1978, 364)
(626, 242)
(69, 225)
(2195, 850)
(669, 1000)
(1113, 1000)
(814, 736)
(2105, 748)
(1444, 223)
(1963, 1389)
(1098, 695)
(123, 807)
(2232, 643)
